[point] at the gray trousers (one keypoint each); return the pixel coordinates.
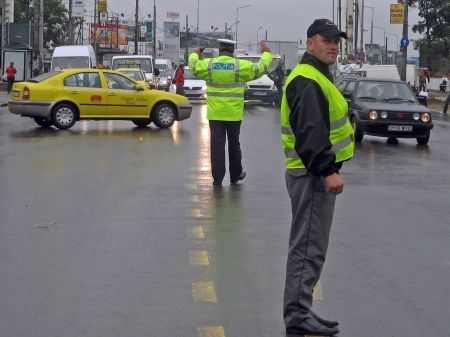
(312, 215)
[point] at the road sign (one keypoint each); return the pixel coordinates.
(404, 42)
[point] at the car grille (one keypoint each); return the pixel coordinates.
(193, 95)
(193, 88)
(400, 115)
(259, 86)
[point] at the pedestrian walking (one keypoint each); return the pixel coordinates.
(179, 79)
(317, 138)
(277, 76)
(447, 102)
(10, 76)
(422, 90)
(225, 77)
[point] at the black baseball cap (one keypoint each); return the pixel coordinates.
(325, 28)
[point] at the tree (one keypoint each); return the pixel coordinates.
(56, 19)
(435, 25)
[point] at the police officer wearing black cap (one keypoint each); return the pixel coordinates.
(317, 138)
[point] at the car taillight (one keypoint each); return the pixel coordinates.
(26, 93)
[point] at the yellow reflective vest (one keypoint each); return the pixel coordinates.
(341, 131)
(225, 77)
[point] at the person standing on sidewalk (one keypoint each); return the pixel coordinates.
(317, 138)
(225, 77)
(447, 102)
(10, 76)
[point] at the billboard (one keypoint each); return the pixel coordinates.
(172, 41)
(397, 11)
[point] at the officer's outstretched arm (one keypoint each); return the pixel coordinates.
(198, 67)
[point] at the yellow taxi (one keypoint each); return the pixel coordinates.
(61, 98)
(136, 74)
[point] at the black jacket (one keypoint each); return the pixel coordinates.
(310, 121)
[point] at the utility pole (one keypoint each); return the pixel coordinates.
(41, 37)
(361, 44)
(356, 14)
(187, 40)
(405, 36)
(136, 29)
(154, 29)
(71, 31)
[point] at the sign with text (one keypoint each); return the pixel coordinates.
(77, 9)
(397, 11)
(173, 15)
(172, 41)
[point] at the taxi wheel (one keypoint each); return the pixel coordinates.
(163, 115)
(64, 116)
(141, 123)
(45, 123)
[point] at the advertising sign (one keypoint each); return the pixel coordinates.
(77, 9)
(397, 11)
(102, 6)
(171, 41)
(173, 15)
(149, 25)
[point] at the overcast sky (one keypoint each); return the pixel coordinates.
(285, 20)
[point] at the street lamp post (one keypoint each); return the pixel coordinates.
(198, 14)
(384, 39)
(257, 36)
(371, 33)
(237, 14)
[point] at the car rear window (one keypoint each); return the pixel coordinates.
(45, 76)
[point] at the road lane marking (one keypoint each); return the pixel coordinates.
(204, 292)
(211, 331)
(196, 232)
(199, 258)
(317, 292)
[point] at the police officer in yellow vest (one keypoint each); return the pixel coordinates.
(225, 77)
(317, 138)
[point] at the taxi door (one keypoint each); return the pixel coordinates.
(85, 89)
(124, 101)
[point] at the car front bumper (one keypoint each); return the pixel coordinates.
(184, 111)
(380, 128)
(31, 109)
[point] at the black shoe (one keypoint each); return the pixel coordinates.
(311, 327)
(327, 323)
(241, 177)
(217, 183)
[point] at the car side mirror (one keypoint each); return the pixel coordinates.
(347, 95)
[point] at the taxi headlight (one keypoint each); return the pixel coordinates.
(373, 114)
(426, 117)
(384, 114)
(416, 116)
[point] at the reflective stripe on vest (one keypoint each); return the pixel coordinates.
(341, 131)
(225, 94)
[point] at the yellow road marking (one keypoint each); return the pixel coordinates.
(211, 331)
(199, 258)
(317, 292)
(204, 292)
(196, 232)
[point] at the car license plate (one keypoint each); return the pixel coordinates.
(16, 93)
(400, 128)
(193, 92)
(260, 93)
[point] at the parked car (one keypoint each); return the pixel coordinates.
(60, 98)
(194, 88)
(385, 108)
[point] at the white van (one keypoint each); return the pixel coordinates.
(262, 89)
(76, 56)
(384, 72)
(144, 62)
(164, 64)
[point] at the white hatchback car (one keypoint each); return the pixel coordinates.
(194, 88)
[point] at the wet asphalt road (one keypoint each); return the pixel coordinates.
(107, 230)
